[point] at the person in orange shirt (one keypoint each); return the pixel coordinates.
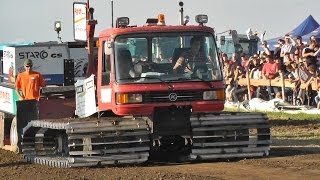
(28, 83)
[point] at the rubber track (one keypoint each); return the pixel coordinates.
(86, 143)
(230, 135)
(127, 141)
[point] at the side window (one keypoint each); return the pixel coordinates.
(106, 64)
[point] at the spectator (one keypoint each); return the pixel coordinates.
(266, 50)
(224, 58)
(311, 52)
(317, 98)
(254, 63)
(244, 62)
(293, 76)
(281, 66)
(239, 91)
(299, 46)
(255, 73)
(287, 59)
(288, 46)
(312, 69)
(313, 38)
(304, 77)
(235, 59)
(296, 58)
(277, 51)
(270, 71)
(228, 67)
(231, 93)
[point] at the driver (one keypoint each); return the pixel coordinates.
(187, 60)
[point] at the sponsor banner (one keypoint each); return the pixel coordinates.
(79, 21)
(8, 97)
(47, 60)
(9, 64)
(85, 97)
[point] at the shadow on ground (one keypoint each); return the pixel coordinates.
(12, 164)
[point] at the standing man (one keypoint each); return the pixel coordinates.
(28, 83)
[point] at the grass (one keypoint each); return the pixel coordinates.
(295, 117)
(286, 116)
(305, 132)
(299, 126)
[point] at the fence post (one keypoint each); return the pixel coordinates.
(248, 84)
(282, 86)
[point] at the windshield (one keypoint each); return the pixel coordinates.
(244, 46)
(169, 57)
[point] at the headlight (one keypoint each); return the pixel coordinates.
(123, 98)
(209, 95)
(213, 95)
(201, 18)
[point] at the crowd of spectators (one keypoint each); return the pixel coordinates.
(293, 59)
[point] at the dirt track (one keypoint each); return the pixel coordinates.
(295, 156)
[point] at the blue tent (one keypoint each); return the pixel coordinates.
(315, 33)
(305, 27)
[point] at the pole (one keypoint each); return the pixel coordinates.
(112, 13)
(181, 22)
(181, 12)
(282, 86)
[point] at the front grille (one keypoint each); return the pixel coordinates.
(182, 96)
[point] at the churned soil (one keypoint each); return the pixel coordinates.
(295, 154)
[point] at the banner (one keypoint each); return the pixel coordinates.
(85, 97)
(79, 21)
(8, 98)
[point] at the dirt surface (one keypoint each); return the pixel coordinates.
(295, 154)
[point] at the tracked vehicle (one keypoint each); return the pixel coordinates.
(143, 108)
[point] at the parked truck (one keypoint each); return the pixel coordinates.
(231, 42)
(60, 63)
(155, 111)
(52, 60)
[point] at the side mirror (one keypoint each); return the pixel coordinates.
(222, 40)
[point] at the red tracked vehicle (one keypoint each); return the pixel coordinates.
(155, 111)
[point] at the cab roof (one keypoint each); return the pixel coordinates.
(113, 32)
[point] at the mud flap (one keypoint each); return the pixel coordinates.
(169, 121)
(27, 110)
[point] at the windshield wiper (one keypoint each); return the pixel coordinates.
(170, 87)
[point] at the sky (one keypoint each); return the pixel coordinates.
(33, 20)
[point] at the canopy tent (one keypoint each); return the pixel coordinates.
(305, 27)
(315, 33)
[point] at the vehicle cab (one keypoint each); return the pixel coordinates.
(135, 69)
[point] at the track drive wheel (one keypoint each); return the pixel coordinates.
(14, 138)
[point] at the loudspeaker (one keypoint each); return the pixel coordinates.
(68, 72)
